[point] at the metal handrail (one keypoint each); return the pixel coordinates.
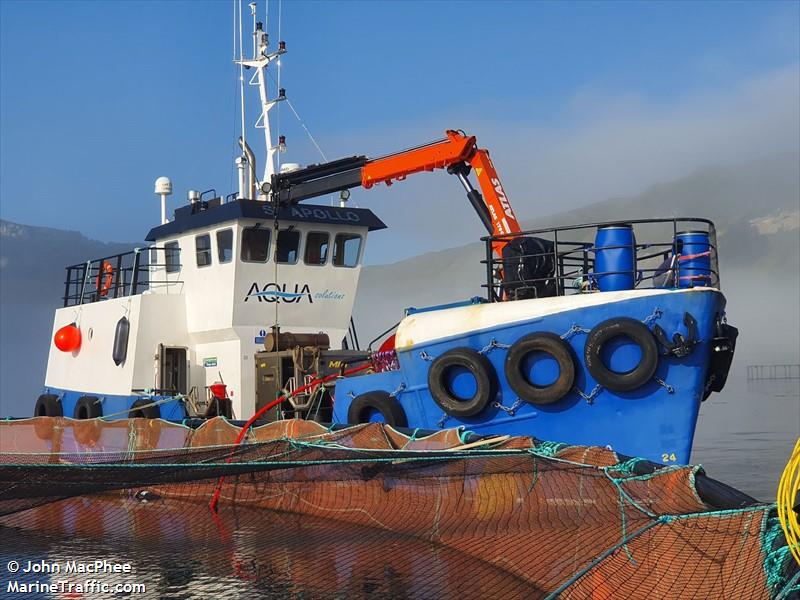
(673, 220)
(131, 275)
(573, 268)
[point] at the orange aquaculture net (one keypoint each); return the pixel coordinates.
(371, 512)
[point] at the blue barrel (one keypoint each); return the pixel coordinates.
(615, 258)
(693, 249)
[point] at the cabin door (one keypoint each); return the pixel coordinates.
(172, 370)
(273, 370)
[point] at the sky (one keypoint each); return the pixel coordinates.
(577, 102)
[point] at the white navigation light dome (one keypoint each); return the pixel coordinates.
(163, 186)
(289, 167)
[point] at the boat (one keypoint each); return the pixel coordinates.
(606, 334)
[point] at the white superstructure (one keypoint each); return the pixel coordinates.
(216, 279)
(215, 290)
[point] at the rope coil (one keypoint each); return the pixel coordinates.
(789, 503)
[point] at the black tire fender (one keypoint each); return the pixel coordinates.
(88, 407)
(141, 409)
(621, 327)
(481, 369)
(48, 405)
(546, 343)
(378, 401)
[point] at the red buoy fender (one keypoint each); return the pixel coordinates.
(68, 338)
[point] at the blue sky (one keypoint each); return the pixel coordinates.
(97, 99)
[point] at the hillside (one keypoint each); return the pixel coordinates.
(32, 261)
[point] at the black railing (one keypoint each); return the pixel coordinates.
(759, 372)
(121, 275)
(566, 261)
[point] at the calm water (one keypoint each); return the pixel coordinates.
(746, 434)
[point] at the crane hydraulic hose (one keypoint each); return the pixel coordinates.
(788, 489)
(273, 404)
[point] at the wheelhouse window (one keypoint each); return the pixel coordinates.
(255, 244)
(225, 245)
(346, 249)
(288, 246)
(317, 244)
(172, 257)
(202, 246)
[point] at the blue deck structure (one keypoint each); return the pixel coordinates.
(624, 368)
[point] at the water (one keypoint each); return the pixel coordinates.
(179, 551)
(747, 432)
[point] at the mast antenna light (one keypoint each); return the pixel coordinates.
(259, 61)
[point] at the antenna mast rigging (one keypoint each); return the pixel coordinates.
(260, 60)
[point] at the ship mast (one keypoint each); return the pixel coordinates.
(260, 60)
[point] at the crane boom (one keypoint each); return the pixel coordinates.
(457, 152)
(453, 149)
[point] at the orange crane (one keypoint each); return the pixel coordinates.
(457, 152)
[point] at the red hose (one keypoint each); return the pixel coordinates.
(273, 404)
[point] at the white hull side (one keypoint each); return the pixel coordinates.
(154, 319)
(425, 327)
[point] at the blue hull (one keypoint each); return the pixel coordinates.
(655, 421)
(117, 407)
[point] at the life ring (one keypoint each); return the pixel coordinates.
(377, 402)
(545, 343)
(611, 329)
(87, 407)
(143, 409)
(480, 368)
(48, 405)
(106, 273)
